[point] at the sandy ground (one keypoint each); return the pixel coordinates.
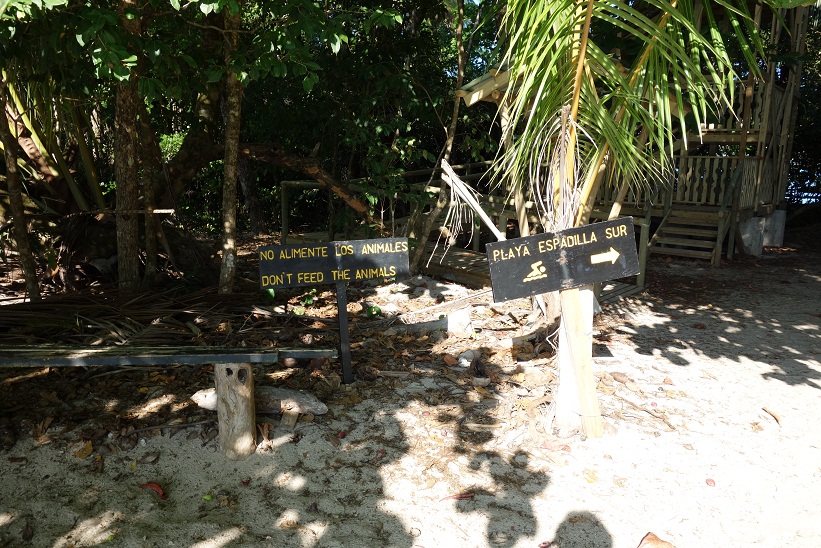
(710, 385)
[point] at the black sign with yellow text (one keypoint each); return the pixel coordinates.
(562, 260)
(331, 262)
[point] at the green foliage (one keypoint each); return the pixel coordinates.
(309, 297)
(17, 9)
(371, 83)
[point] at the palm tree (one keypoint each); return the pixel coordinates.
(606, 86)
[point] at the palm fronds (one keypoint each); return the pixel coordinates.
(201, 318)
(654, 68)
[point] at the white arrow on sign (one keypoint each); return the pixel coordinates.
(611, 256)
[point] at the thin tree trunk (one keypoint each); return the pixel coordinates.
(442, 201)
(250, 194)
(18, 211)
(126, 167)
(152, 164)
(233, 119)
(310, 167)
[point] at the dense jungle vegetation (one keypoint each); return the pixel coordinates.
(198, 111)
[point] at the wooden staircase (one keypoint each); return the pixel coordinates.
(696, 232)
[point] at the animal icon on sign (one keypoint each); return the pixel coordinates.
(537, 272)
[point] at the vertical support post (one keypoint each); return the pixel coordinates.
(344, 336)
(644, 240)
(236, 414)
(283, 199)
(331, 215)
(577, 322)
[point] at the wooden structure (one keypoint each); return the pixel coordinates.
(730, 173)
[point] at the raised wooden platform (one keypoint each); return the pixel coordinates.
(457, 265)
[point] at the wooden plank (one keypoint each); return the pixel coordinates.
(65, 356)
(723, 137)
(689, 231)
(682, 252)
(615, 291)
(690, 242)
(457, 265)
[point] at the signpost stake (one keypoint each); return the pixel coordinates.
(344, 336)
(579, 333)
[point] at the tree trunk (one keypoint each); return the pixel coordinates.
(126, 164)
(198, 149)
(18, 211)
(233, 120)
(250, 195)
(151, 161)
(276, 155)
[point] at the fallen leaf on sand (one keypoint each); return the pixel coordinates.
(450, 360)
(632, 387)
(554, 445)
(590, 475)
(773, 415)
(149, 458)
(348, 400)
(156, 488)
(84, 451)
(652, 541)
(459, 496)
(620, 377)
(485, 393)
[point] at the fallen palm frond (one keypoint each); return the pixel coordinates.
(148, 319)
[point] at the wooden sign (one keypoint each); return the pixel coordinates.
(337, 263)
(562, 260)
(296, 265)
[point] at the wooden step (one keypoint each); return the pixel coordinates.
(685, 220)
(690, 231)
(695, 208)
(686, 242)
(683, 252)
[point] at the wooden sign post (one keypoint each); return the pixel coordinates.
(564, 261)
(336, 263)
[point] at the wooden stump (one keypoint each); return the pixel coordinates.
(235, 409)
